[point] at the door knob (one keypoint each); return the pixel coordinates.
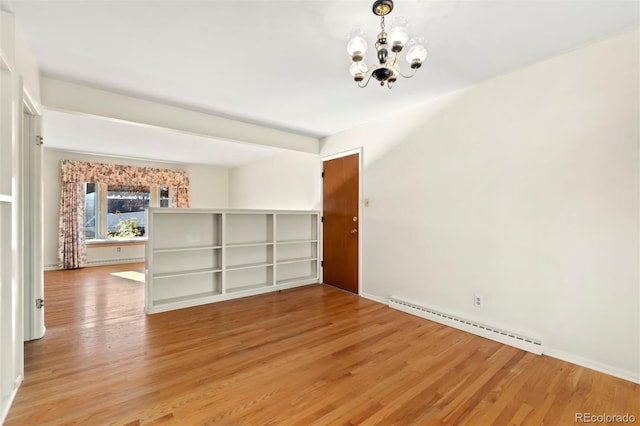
(354, 231)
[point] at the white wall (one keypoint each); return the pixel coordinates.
(27, 67)
(209, 189)
(289, 180)
(524, 189)
(209, 186)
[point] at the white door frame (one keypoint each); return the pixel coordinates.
(32, 219)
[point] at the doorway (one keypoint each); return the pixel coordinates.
(341, 221)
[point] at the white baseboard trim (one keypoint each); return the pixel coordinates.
(7, 402)
(52, 267)
(593, 365)
(154, 309)
(375, 298)
(538, 349)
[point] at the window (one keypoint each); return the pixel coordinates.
(163, 196)
(117, 211)
(125, 210)
(91, 211)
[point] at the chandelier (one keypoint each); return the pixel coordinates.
(388, 48)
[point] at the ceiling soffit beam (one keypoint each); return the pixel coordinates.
(73, 97)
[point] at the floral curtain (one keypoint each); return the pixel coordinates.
(72, 251)
(180, 197)
(71, 239)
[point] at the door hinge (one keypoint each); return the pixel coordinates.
(39, 140)
(39, 303)
(322, 175)
(321, 263)
(322, 219)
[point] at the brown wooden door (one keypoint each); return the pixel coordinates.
(340, 222)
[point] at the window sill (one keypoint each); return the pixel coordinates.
(116, 241)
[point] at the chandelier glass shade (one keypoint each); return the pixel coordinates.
(388, 47)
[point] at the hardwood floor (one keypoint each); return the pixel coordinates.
(312, 355)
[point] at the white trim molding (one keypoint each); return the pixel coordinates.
(593, 365)
(374, 298)
(342, 154)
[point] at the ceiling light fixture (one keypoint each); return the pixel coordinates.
(388, 47)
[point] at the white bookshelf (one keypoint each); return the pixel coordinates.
(297, 250)
(198, 256)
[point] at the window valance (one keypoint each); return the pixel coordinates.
(115, 174)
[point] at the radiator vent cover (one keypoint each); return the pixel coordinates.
(490, 332)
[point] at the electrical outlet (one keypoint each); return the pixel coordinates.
(477, 300)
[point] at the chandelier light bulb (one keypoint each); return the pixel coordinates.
(416, 55)
(357, 46)
(398, 35)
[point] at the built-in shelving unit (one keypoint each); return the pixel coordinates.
(202, 256)
(297, 247)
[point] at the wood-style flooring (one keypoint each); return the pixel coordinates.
(312, 355)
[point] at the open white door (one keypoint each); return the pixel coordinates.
(33, 252)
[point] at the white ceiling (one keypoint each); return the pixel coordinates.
(284, 63)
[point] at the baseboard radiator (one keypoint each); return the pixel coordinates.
(101, 262)
(117, 261)
(519, 341)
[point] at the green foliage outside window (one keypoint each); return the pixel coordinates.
(126, 228)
